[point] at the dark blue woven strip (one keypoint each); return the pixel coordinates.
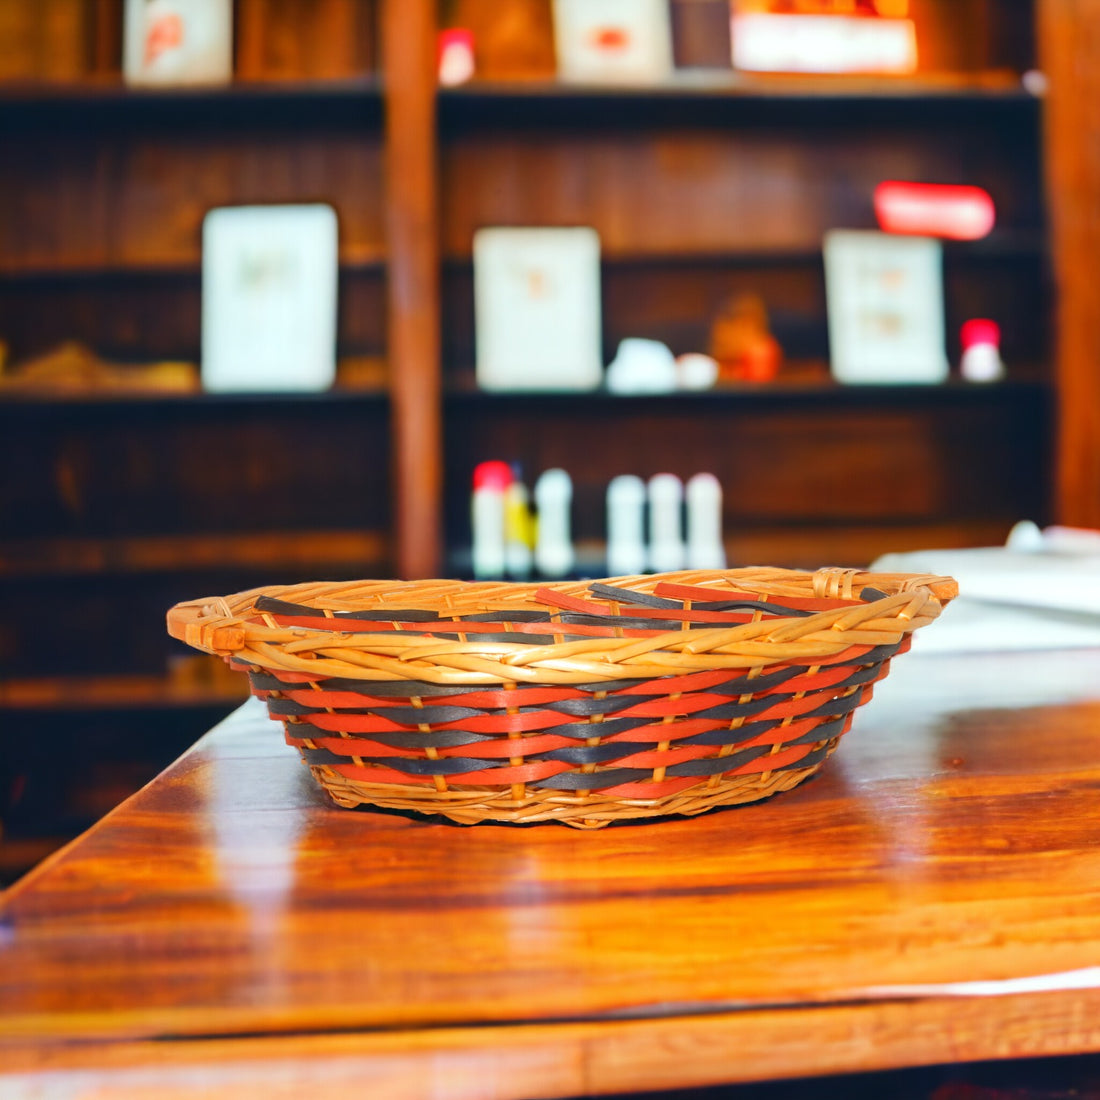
(283, 607)
(644, 599)
(600, 754)
(613, 777)
(451, 765)
(581, 781)
(409, 740)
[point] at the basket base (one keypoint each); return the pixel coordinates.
(591, 811)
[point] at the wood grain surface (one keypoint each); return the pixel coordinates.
(933, 896)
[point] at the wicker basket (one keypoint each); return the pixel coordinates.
(583, 703)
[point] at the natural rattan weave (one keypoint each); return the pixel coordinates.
(585, 702)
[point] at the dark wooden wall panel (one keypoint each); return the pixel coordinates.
(113, 625)
(709, 191)
(140, 317)
(102, 199)
(304, 39)
(142, 468)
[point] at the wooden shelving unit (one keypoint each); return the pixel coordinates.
(720, 183)
(117, 505)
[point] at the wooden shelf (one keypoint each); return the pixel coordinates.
(799, 388)
(50, 400)
(356, 100)
(359, 551)
(997, 85)
(1001, 244)
(121, 271)
(707, 97)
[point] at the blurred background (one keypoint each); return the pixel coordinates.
(128, 484)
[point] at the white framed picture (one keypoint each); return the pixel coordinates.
(627, 41)
(884, 296)
(269, 286)
(178, 42)
(537, 308)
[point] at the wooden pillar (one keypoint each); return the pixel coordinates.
(409, 79)
(1069, 47)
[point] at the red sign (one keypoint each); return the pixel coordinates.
(953, 211)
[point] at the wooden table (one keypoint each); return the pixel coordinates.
(932, 896)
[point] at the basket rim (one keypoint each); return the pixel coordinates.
(232, 627)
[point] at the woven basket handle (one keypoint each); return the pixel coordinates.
(834, 583)
(207, 624)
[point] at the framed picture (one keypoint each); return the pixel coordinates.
(177, 42)
(628, 41)
(537, 309)
(269, 283)
(884, 297)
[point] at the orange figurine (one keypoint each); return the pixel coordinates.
(742, 344)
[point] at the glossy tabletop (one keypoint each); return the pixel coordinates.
(932, 896)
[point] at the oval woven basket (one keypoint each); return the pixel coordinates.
(584, 703)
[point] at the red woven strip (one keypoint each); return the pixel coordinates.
(526, 773)
(289, 677)
(705, 595)
(352, 746)
(670, 786)
(520, 697)
(675, 784)
(774, 760)
(664, 731)
(791, 708)
(814, 682)
(485, 750)
(486, 723)
(663, 758)
(341, 699)
(689, 704)
(777, 734)
(528, 722)
(492, 777)
(490, 699)
(380, 775)
(350, 723)
(504, 748)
